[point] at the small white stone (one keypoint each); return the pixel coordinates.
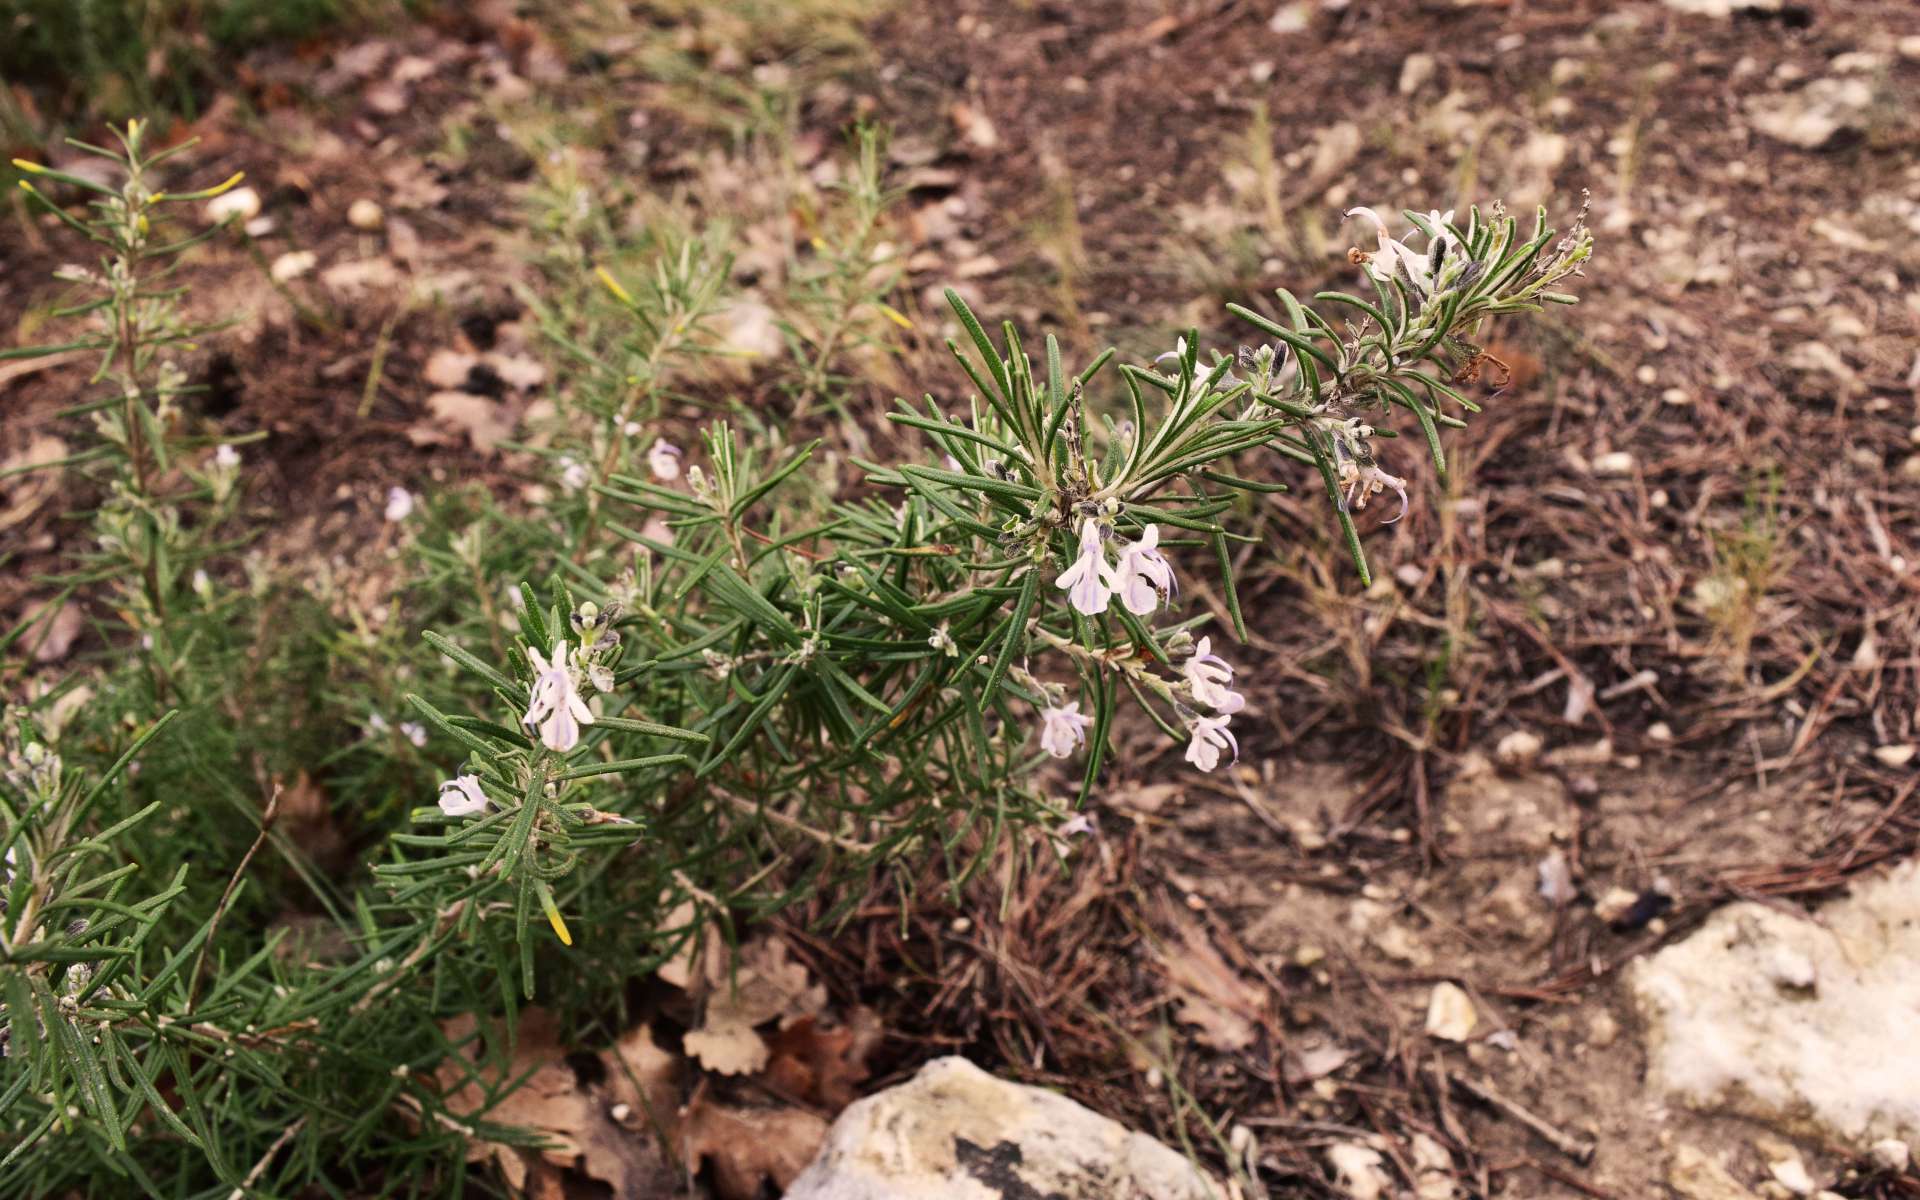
(365, 214)
(1898, 755)
(1660, 731)
(1450, 1013)
(1678, 397)
(1614, 905)
(292, 265)
(1556, 880)
(1415, 72)
(1909, 47)
(1890, 1154)
(240, 204)
(1614, 464)
(1518, 749)
(1792, 1175)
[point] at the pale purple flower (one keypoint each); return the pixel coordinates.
(1210, 737)
(1090, 581)
(1079, 825)
(1144, 576)
(573, 474)
(414, 732)
(1209, 676)
(399, 504)
(664, 460)
(1063, 730)
(226, 457)
(461, 796)
(556, 706)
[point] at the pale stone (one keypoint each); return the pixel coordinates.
(1518, 749)
(1890, 1154)
(1801, 1022)
(954, 1132)
(1810, 117)
(1450, 1013)
(1694, 1176)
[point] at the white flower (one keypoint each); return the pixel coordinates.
(664, 460)
(1063, 730)
(226, 457)
(461, 796)
(1209, 676)
(573, 473)
(415, 732)
(1090, 580)
(632, 428)
(377, 724)
(1210, 736)
(941, 639)
(556, 706)
(1382, 261)
(1144, 576)
(201, 582)
(242, 204)
(399, 504)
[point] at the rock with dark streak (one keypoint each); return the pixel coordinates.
(954, 1132)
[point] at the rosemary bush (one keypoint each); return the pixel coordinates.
(692, 686)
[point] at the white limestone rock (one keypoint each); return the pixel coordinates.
(1803, 1022)
(954, 1132)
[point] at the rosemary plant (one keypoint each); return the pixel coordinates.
(735, 685)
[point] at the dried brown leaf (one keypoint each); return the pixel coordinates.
(1227, 1010)
(749, 1148)
(552, 1102)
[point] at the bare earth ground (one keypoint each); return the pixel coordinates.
(1678, 549)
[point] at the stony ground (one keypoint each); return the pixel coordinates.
(1650, 649)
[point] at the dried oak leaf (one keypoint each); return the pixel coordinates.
(823, 1064)
(766, 985)
(643, 1080)
(551, 1101)
(749, 1148)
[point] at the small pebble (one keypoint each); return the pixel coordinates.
(1518, 749)
(365, 214)
(1890, 1154)
(1792, 1175)
(240, 204)
(1896, 755)
(1613, 464)
(1450, 1013)
(292, 265)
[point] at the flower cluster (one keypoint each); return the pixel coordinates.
(1139, 573)
(1142, 577)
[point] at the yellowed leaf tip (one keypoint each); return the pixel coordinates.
(613, 285)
